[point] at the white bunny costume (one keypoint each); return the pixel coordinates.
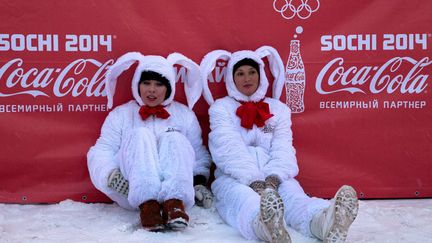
(159, 157)
(245, 155)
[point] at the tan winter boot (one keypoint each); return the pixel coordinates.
(269, 225)
(174, 214)
(331, 225)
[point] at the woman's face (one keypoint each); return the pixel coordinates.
(152, 92)
(246, 79)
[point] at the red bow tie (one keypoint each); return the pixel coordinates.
(253, 113)
(157, 111)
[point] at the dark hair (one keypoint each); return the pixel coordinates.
(150, 75)
(246, 61)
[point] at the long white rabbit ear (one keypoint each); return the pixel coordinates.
(192, 85)
(114, 71)
(208, 64)
(276, 68)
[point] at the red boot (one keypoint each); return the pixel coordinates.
(174, 214)
(150, 214)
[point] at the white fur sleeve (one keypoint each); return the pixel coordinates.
(282, 153)
(227, 148)
(100, 158)
(202, 157)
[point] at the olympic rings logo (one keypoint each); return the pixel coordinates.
(304, 10)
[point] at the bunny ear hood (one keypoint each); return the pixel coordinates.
(192, 84)
(208, 64)
(114, 71)
(229, 80)
(276, 67)
(158, 64)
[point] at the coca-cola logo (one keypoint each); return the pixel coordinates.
(403, 74)
(73, 80)
(407, 74)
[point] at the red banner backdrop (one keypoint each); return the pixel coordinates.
(358, 81)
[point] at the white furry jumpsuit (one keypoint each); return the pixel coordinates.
(244, 155)
(159, 157)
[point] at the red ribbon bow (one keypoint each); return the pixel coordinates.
(253, 113)
(157, 111)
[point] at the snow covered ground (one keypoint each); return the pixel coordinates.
(68, 221)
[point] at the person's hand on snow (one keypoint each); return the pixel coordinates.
(258, 186)
(203, 196)
(117, 182)
(273, 181)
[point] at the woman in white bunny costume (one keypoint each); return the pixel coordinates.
(148, 155)
(251, 144)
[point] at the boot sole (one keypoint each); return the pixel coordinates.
(177, 224)
(156, 228)
(272, 214)
(346, 209)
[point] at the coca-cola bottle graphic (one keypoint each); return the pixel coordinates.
(295, 79)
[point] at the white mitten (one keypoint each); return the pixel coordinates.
(117, 182)
(203, 196)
